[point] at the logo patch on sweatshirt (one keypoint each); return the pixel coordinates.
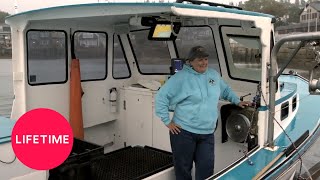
(211, 81)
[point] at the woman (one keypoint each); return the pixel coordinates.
(194, 92)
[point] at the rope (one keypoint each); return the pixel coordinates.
(10, 162)
(258, 92)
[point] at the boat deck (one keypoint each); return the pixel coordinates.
(131, 163)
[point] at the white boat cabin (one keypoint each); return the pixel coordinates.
(118, 49)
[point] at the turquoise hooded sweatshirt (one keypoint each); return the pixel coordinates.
(195, 98)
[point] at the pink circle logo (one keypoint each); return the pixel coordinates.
(42, 139)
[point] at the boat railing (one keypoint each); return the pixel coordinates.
(274, 74)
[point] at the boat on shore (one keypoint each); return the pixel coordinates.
(120, 45)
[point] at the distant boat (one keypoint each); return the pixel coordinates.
(120, 43)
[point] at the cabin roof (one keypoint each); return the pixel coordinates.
(155, 5)
(221, 9)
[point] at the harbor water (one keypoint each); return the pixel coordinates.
(6, 87)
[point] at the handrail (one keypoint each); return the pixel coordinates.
(273, 75)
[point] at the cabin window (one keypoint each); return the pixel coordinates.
(120, 69)
(242, 48)
(46, 57)
(91, 50)
(191, 36)
(246, 57)
(284, 110)
(152, 57)
(294, 103)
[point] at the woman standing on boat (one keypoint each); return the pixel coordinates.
(194, 92)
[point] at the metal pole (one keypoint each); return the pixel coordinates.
(317, 23)
(292, 55)
(308, 21)
(273, 77)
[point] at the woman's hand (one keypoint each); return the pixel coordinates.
(174, 128)
(242, 104)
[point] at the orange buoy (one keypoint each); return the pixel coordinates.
(75, 116)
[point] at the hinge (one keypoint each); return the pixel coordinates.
(124, 105)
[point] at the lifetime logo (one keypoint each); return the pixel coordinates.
(42, 139)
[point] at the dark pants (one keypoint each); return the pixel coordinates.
(188, 147)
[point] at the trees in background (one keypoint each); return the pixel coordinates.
(293, 12)
(2, 16)
(284, 11)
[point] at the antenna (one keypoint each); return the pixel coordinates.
(16, 6)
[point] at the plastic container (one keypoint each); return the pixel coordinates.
(83, 151)
(77, 166)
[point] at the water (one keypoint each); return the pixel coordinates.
(7, 95)
(6, 87)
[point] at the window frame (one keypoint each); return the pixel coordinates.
(66, 57)
(106, 57)
(252, 33)
(125, 57)
(294, 103)
(284, 110)
(135, 57)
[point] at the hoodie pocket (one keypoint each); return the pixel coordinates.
(187, 111)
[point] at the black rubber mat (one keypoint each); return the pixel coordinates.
(130, 163)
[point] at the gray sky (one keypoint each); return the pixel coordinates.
(25, 5)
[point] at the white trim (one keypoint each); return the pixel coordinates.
(84, 11)
(215, 14)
